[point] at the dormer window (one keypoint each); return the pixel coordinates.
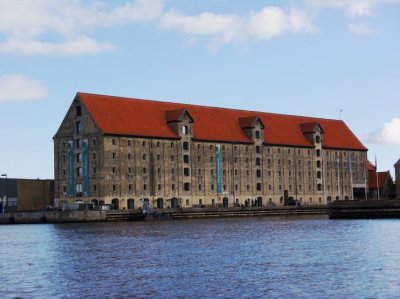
(185, 130)
(258, 135)
(317, 139)
(78, 111)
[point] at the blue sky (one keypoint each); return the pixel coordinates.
(309, 57)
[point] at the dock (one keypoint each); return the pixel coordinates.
(364, 209)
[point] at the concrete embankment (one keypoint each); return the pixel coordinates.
(52, 217)
(71, 216)
(194, 213)
(364, 209)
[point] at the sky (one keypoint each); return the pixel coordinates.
(324, 58)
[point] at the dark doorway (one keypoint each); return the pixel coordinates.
(174, 203)
(225, 202)
(160, 203)
(131, 203)
(259, 201)
(115, 203)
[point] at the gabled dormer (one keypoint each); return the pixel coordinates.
(313, 132)
(180, 122)
(253, 127)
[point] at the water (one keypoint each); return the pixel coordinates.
(297, 257)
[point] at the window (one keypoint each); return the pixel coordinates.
(280, 187)
(317, 139)
(78, 189)
(235, 148)
(198, 158)
(78, 127)
(186, 171)
(185, 130)
(211, 159)
(248, 187)
(113, 141)
(159, 170)
(212, 186)
(158, 157)
(144, 186)
(144, 156)
(185, 145)
(78, 111)
(247, 172)
(258, 173)
(79, 171)
(159, 187)
(187, 202)
(94, 142)
(129, 156)
(129, 142)
(172, 144)
(78, 143)
(94, 156)
(185, 158)
(235, 160)
(288, 151)
(113, 155)
(236, 187)
(113, 170)
(258, 134)
(211, 147)
(94, 188)
(144, 143)
(79, 157)
(173, 170)
(114, 188)
(129, 169)
(224, 172)
(318, 164)
(199, 187)
(130, 187)
(212, 171)
(173, 187)
(319, 187)
(258, 186)
(199, 171)
(258, 149)
(158, 143)
(269, 187)
(318, 174)
(186, 186)
(236, 172)
(318, 152)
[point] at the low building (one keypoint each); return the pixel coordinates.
(397, 178)
(380, 184)
(19, 195)
(120, 151)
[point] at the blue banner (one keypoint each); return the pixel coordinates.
(218, 159)
(85, 168)
(71, 168)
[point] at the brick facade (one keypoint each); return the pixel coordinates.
(184, 172)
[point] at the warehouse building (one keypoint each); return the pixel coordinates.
(120, 151)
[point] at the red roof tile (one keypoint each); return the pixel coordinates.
(373, 181)
(370, 166)
(135, 117)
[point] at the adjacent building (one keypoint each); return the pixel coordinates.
(120, 151)
(17, 195)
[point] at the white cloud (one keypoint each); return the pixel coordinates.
(360, 29)
(78, 46)
(388, 134)
(33, 21)
(20, 88)
(354, 8)
(267, 23)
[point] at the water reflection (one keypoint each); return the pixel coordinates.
(254, 257)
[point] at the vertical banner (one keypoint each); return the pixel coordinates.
(218, 160)
(85, 168)
(71, 168)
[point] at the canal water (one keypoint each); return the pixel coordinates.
(296, 257)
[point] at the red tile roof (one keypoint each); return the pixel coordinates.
(373, 181)
(370, 166)
(135, 117)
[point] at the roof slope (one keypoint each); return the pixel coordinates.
(374, 179)
(123, 116)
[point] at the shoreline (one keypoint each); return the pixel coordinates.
(79, 216)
